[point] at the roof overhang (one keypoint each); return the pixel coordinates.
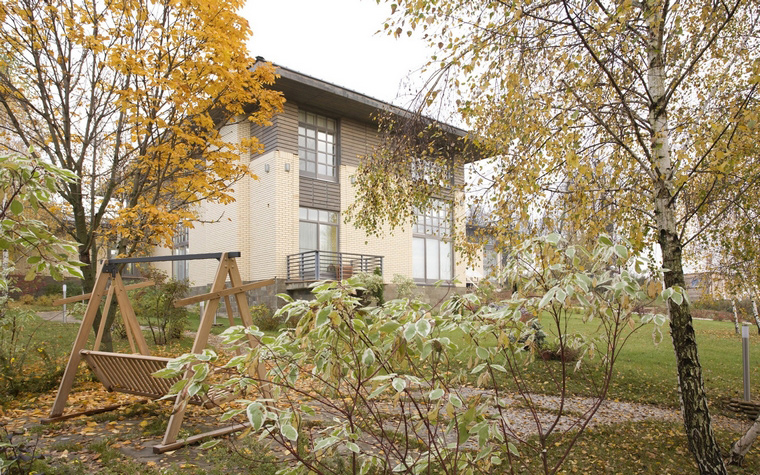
(335, 100)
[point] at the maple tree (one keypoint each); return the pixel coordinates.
(131, 97)
(634, 117)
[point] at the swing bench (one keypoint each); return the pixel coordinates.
(133, 373)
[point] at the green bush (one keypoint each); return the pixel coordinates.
(404, 364)
(17, 456)
(263, 317)
(743, 307)
(374, 285)
(56, 288)
(156, 306)
(47, 300)
(19, 351)
(405, 287)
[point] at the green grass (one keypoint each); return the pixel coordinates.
(645, 372)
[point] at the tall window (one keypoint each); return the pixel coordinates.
(317, 146)
(432, 259)
(318, 230)
(180, 247)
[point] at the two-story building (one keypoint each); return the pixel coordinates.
(288, 224)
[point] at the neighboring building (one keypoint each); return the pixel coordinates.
(701, 285)
(289, 224)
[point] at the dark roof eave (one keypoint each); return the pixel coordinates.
(310, 91)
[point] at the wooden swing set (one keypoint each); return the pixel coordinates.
(132, 373)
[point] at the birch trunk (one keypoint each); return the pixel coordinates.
(736, 316)
(696, 416)
(754, 313)
(742, 446)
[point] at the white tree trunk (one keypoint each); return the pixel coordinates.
(696, 415)
(754, 312)
(742, 446)
(736, 316)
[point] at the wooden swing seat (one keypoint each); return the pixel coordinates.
(133, 374)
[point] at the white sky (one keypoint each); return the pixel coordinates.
(336, 41)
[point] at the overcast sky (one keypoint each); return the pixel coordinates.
(336, 41)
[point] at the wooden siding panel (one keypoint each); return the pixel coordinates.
(319, 194)
(356, 141)
(282, 134)
(266, 135)
(287, 129)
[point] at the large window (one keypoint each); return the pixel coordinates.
(180, 247)
(318, 230)
(432, 259)
(317, 146)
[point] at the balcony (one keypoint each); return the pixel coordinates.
(312, 266)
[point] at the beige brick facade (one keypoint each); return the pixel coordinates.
(395, 247)
(263, 221)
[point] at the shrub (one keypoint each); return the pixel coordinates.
(263, 317)
(405, 287)
(18, 353)
(374, 293)
(390, 378)
(47, 300)
(16, 456)
(156, 306)
(556, 352)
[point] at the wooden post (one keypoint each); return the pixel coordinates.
(128, 315)
(103, 318)
(201, 340)
(245, 317)
(84, 331)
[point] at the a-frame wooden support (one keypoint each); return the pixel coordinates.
(134, 371)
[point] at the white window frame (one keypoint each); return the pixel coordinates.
(303, 217)
(432, 250)
(317, 146)
(181, 247)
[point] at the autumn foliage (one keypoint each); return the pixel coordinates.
(131, 96)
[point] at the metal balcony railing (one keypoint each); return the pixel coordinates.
(327, 265)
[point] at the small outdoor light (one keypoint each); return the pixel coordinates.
(745, 359)
(287, 167)
(266, 168)
(353, 180)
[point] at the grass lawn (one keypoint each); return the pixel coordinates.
(645, 372)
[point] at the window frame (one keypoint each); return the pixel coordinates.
(433, 225)
(319, 223)
(181, 247)
(303, 151)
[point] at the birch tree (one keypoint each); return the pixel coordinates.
(628, 115)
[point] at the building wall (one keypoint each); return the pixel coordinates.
(460, 222)
(221, 230)
(263, 221)
(356, 141)
(285, 232)
(396, 247)
(282, 135)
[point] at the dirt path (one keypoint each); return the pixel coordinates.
(57, 316)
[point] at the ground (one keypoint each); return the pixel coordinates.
(623, 437)
(127, 435)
